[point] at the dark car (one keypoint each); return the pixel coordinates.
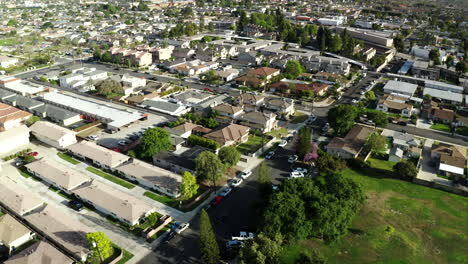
(168, 237)
(402, 123)
(76, 205)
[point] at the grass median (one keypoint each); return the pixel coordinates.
(111, 178)
(67, 158)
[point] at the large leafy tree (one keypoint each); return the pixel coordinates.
(188, 187)
(323, 207)
(293, 69)
(303, 143)
(154, 141)
(100, 245)
(406, 169)
(109, 87)
(230, 156)
(326, 162)
(376, 143)
(378, 117)
(342, 118)
(262, 250)
(208, 246)
(209, 166)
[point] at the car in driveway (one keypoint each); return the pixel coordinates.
(235, 182)
(122, 142)
(225, 191)
(242, 235)
(245, 174)
(269, 155)
(326, 127)
(168, 237)
(234, 244)
(93, 137)
(216, 201)
(180, 227)
(76, 205)
(296, 174)
(283, 143)
(301, 170)
(292, 158)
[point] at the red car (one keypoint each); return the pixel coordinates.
(208, 89)
(217, 200)
(34, 154)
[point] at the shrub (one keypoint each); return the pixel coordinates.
(204, 142)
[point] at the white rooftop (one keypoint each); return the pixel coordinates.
(110, 115)
(452, 169)
(400, 87)
(445, 95)
(24, 87)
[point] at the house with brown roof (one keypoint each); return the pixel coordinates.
(450, 159)
(281, 106)
(264, 72)
(395, 104)
(352, 144)
(40, 251)
(257, 77)
(442, 115)
(12, 233)
(288, 86)
(228, 110)
(184, 130)
(11, 117)
(229, 135)
(263, 121)
(250, 81)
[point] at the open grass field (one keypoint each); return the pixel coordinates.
(381, 164)
(8, 42)
(401, 223)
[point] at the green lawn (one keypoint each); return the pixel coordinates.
(441, 127)
(161, 198)
(8, 42)
(111, 178)
(252, 145)
(401, 222)
(126, 257)
(381, 164)
(174, 203)
(67, 158)
(278, 133)
(298, 117)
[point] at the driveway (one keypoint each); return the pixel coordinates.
(428, 172)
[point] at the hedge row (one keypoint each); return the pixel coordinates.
(204, 142)
(17, 154)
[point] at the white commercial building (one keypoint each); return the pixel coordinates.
(54, 135)
(400, 88)
(332, 21)
(13, 138)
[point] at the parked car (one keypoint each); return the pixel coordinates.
(19, 162)
(283, 143)
(369, 122)
(93, 137)
(275, 187)
(216, 201)
(242, 236)
(76, 205)
(292, 158)
(225, 192)
(290, 138)
(302, 170)
(326, 127)
(168, 237)
(269, 155)
(180, 227)
(234, 244)
(235, 182)
(245, 174)
(402, 123)
(354, 101)
(312, 118)
(296, 174)
(122, 143)
(34, 154)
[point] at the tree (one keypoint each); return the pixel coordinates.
(399, 43)
(293, 69)
(189, 187)
(100, 245)
(342, 118)
(109, 88)
(12, 23)
(326, 162)
(32, 120)
(378, 117)
(370, 95)
(142, 6)
(303, 143)
(106, 57)
(449, 61)
(406, 169)
(47, 25)
(208, 246)
(154, 141)
(230, 156)
(264, 177)
(311, 257)
(209, 166)
(461, 67)
(262, 250)
(434, 55)
(28, 159)
(376, 143)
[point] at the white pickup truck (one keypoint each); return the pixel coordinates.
(242, 236)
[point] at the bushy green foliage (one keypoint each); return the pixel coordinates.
(204, 142)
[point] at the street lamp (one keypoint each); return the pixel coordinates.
(99, 252)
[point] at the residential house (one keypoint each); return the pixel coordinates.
(16, 198)
(299, 87)
(184, 130)
(152, 177)
(162, 54)
(6, 62)
(11, 117)
(180, 160)
(251, 57)
(405, 141)
(40, 251)
(227, 110)
(57, 114)
(229, 135)
(130, 83)
(114, 202)
(421, 69)
(100, 156)
(450, 159)
(227, 75)
(263, 121)
(327, 64)
(249, 101)
(12, 233)
(395, 104)
(53, 135)
(264, 73)
(352, 144)
(400, 88)
(13, 138)
(442, 115)
(281, 106)
(57, 174)
(395, 154)
(206, 105)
